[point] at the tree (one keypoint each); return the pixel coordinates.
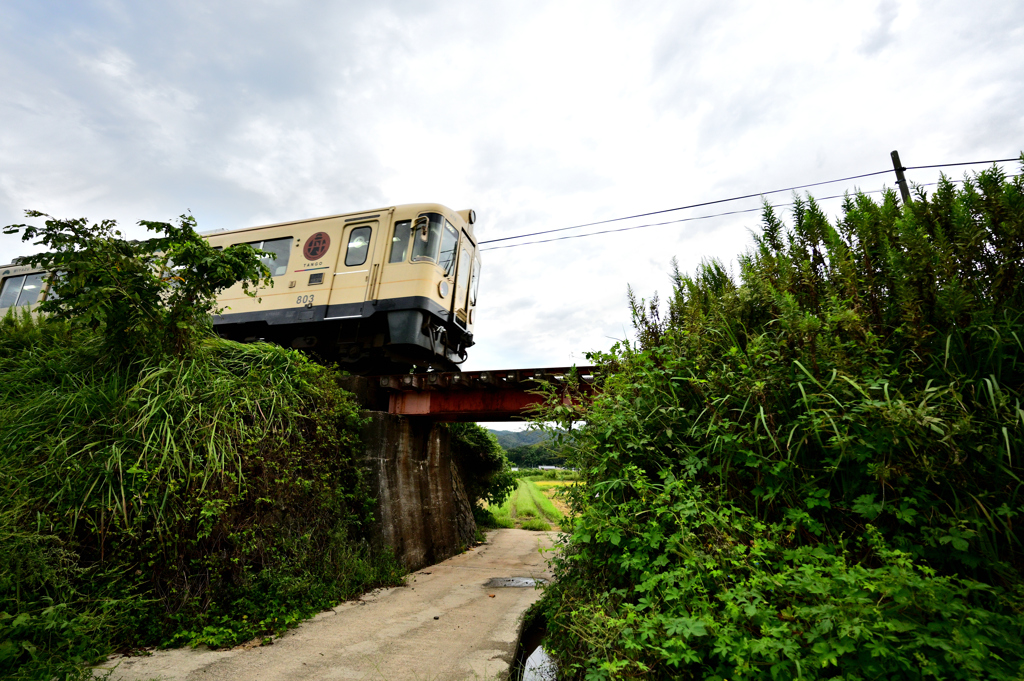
(148, 297)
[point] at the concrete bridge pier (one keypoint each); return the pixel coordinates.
(423, 513)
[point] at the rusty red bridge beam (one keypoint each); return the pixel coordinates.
(496, 395)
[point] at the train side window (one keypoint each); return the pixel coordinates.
(31, 289)
(10, 291)
(400, 241)
(448, 243)
(281, 248)
(424, 247)
(358, 246)
(22, 290)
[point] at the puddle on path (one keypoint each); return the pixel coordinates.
(514, 582)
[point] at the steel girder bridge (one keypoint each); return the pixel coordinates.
(497, 395)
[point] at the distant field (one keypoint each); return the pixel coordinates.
(529, 508)
(549, 484)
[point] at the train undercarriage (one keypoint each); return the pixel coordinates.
(393, 342)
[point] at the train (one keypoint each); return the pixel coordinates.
(385, 290)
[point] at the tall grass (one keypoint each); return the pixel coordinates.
(208, 500)
(503, 512)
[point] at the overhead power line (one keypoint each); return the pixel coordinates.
(699, 217)
(709, 203)
(660, 224)
(695, 205)
(965, 163)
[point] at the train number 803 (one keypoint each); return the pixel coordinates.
(304, 300)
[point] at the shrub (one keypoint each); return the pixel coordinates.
(538, 474)
(813, 472)
(531, 456)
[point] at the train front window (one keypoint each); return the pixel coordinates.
(425, 246)
(279, 249)
(358, 246)
(400, 241)
(449, 241)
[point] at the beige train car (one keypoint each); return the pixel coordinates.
(380, 290)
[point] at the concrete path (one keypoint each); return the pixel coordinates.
(444, 625)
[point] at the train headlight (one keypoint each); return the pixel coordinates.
(443, 288)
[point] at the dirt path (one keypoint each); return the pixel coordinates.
(444, 625)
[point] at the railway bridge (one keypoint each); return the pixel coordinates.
(423, 511)
(497, 395)
(493, 395)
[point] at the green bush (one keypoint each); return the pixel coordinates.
(159, 485)
(538, 474)
(482, 463)
(532, 456)
(48, 629)
(814, 472)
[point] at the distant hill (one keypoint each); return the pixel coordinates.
(509, 439)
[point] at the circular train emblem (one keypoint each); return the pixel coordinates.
(316, 246)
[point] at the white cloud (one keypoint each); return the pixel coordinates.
(538, 115)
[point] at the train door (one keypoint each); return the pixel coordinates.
(462, 277)
(357, 274)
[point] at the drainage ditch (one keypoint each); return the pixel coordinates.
(531, 662)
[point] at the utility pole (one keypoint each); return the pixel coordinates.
(900, 179)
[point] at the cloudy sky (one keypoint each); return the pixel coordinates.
(538, 115)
